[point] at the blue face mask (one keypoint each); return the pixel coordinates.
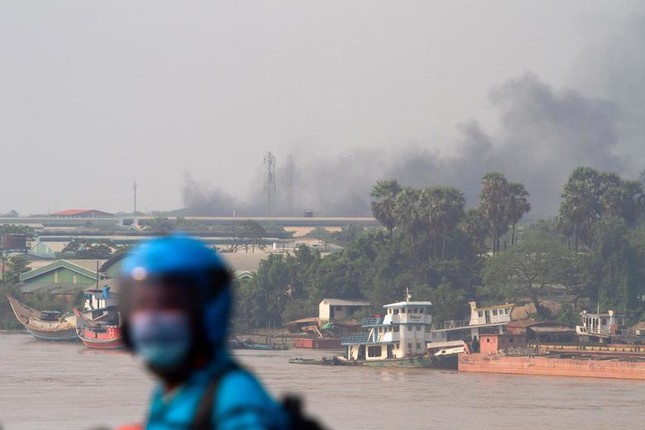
(161, 338)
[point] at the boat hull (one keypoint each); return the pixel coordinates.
(54, 336)
(63, 329)
(107, 344)
(551, 366)
(422, 363)
(97, 335)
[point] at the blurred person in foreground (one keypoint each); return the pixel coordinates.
(176, 304)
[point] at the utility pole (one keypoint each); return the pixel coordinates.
(290, 178)
(269, 182)
(134, 188)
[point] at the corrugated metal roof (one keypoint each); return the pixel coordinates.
(51, 288)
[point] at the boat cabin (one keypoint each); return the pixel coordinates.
(600, 324)
(493, 343)
(490, 314)
(102, 298)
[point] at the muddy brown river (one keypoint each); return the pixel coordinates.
(66, 386)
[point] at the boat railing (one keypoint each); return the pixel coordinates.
(452, 324)
(371, 322)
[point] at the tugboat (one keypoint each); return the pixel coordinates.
(403, 338)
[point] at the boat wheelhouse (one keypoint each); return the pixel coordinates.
(405, 331)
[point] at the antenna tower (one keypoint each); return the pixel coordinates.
(269, 182)
(290, 178)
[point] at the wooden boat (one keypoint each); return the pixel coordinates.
(241, 344)
(45, 325)
(325, 361)
(100, 334)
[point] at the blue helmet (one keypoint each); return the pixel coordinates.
(206, 274)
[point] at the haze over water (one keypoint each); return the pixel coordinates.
(49, 385)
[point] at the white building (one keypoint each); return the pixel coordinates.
(339, 309)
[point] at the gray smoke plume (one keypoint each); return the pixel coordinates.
(544, 134)
(200, 199)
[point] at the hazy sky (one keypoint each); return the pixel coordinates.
(96, 95)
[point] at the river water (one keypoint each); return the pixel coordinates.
(66, 386)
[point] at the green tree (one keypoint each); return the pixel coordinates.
(87, 249)
(408, 213)
(251, 232)
(518, 205)
(579, 207)
(527, 269)
(14, 267)
(494, 203)
(383, 208)
(477, 226)
(442, 209)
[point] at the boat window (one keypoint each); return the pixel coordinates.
(396, 329)
(339, 308)
(389, 311)
(374, 351)
(481, 313)
(421, 310)
(396, 311)
(402, 310)
(494, 311)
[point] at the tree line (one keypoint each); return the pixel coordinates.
(591, 255)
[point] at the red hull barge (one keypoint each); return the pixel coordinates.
(615, 368)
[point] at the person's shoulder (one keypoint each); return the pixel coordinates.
(242, 402)
(241, 386)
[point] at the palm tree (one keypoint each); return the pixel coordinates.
(494, 200)
(407, 212)
(579, 208)
(518, 205)
(385, 192)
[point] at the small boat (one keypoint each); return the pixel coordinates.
(325, 361)
(45, 325)
(103, 334)
(241, 344)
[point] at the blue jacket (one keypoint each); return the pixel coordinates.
(240, 403)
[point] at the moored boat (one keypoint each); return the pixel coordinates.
(45, 325)
(403, 337)
(99, 334)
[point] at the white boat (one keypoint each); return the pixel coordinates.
(403, 337)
